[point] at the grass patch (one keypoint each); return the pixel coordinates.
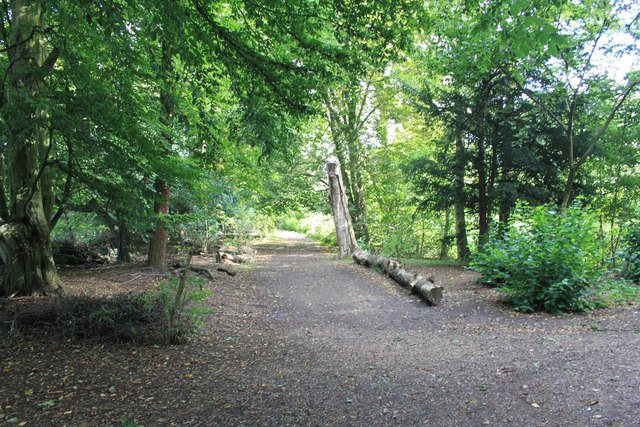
(616, 292)
(423, 262)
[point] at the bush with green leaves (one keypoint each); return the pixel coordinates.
(184, 305)
(631, 253)
(400, 243)
(545, 259)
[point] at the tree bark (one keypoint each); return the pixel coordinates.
(424, 287)
(25, 245)
(159, 237)
(462, 244)
(158, 243)
(445, 241)
(344, 231)
(124, 254)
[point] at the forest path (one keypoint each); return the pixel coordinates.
(299, 338)
(317, 341)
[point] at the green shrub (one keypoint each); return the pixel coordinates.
(184, 306)
(400, 242)
(544, 260)
(291, 221)
(631, 253)
(616, 291)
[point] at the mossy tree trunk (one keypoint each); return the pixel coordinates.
(25, 245)
(158, 243)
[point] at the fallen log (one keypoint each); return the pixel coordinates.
(241, 255)
(227, 269)
(205, 271)
(419, 284)
(235, 258)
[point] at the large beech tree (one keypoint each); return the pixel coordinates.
(24, 233)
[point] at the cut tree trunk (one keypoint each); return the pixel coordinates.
(424, 287)
(344, 231)
(239, 255)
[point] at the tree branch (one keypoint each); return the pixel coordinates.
(540, 104)
(6, 21)
(630, 86)
(254, 60)
(51, 60)
(67, 188)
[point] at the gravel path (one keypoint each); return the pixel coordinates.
(328, 341)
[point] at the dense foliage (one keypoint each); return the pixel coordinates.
(545, 259)
(133, 125)
(631, 253)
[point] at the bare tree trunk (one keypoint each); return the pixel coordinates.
(344, 231)
(25, 245)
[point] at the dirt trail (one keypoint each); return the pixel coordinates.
(331, 342)
(302, 339)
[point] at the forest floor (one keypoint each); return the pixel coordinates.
(299, 338)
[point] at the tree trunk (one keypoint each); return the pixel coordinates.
(344, 231)
(357, 181)
(568, 188)
(462, 244)
(158, 243)
(115, 225)
(25, 245)
(483, 221)
(424, 287)
(345, 116)
(445, 240)
(124, 254)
